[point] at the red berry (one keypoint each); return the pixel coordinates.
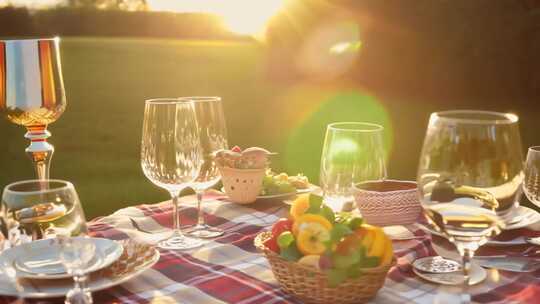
(271, 244)
(236, 149)
(280, 226)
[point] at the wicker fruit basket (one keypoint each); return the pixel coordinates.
(311, 286)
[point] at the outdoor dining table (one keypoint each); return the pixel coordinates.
(229, 269)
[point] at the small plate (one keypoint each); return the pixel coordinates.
(285, 195)
(40, 259)
(130, 264)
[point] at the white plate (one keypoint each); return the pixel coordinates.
(58, 288)
(40, 259)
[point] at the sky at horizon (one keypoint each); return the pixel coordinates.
(241, 16)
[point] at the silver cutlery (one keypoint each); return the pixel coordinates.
(139, 227)
(509, 263)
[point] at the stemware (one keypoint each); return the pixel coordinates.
(531, 184)
(171, 156)
(213, 137)
(353, 152)
(469, 174)
(32, 93)
(76, 254)
(36, 209)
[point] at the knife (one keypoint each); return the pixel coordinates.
(515, 264)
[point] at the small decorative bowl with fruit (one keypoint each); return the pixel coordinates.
(323, 257)
(242, 172)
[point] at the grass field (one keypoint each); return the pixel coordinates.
(107, 80)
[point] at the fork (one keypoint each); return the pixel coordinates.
(139, 228)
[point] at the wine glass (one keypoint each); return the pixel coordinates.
(469, 175)
(37, 209)
(213, 137)
(353, 152)
(76, 254)
(531, 184)
(171, 156)
(32, 93)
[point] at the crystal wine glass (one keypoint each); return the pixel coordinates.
(37, 209)
(469, 174)
(213, 137)
(32, 93)
(353, 152)
(531, 184)
(171, 156)
(76, 254)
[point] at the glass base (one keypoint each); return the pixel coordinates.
(78, 296)
(203, 231)
(180, 242)
(444, 271)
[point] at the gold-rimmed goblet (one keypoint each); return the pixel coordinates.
(32, 93)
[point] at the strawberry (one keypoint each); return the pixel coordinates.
(271, 244)
(280, 226)
(236, 149)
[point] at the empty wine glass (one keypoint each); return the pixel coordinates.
(32, 93)
(171, 156)
(469, 174)
(76, 254)
(36, 209)
(353, 152)
(531, 184)
(213, 137)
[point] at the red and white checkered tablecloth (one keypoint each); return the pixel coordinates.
(229, 269)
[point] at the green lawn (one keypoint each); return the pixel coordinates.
(107, 80)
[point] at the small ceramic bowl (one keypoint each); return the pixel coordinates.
(388, 202)
(242, 186)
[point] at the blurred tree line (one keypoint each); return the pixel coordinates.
(109, 18)
(446, 51)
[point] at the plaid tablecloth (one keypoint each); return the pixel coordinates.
(229, 269)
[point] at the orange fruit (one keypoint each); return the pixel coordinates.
(307, 219)
(311, 238)
(299, 206)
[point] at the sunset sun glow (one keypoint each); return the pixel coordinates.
(247, 17)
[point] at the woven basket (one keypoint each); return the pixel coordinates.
(242, 185)
(311, 285)
(388, 202)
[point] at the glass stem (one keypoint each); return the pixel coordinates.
(466, 256)
(39, 150)
(200, 216)
(176, 211)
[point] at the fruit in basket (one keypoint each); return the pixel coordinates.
(313, 222)
(312, 238)
(299, 206)
(278, 228)
(312, 260)
(340, 245)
